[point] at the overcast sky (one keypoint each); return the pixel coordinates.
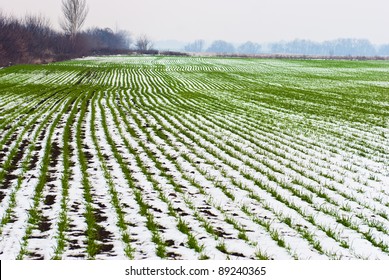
(231, 20)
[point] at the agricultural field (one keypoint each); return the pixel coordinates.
(194, 158)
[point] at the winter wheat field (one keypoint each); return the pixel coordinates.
(194, 158)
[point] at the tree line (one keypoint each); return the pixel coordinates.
(338, 47)
(31, 39)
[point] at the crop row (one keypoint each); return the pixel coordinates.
(194, 158)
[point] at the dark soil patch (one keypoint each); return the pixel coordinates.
(103, 235)
(105, 248)
(99, 217)
(220, 232)
(51, 187)
(9, 177)
(169, 243)
(34, 161)
(55, 152)
(73, 245)
(173, 256)
(77, 233)
(88, 157)
(50, 178)
(237, 254)
(78, 256)
(209, 213)
(49, 200)
(2, 195)
(161, 227)
(131, 224)
(181, 212)
(10, 141)
(75, 207)
(205, 208)
(44, 224)
(42, 135)
(35, 256)
(173, 195)
(156, 209)
(101, 205)
(8, 181)
(20, 152)
(32, 128)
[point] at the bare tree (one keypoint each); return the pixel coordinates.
(143, 43)
(249, 48)
(220, 47)
(196, 46)
(38, 32)
(13, 46)
(74, 12)
(105, 39)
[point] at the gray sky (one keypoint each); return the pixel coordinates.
(231, 20)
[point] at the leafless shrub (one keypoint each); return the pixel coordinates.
(143, 43)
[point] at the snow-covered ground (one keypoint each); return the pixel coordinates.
(193, 158)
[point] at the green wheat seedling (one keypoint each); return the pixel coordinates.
(156, 237)
(316, 244)
(63, 224)
(192, 242)
(34, 213)
(121, 223)
(262, 255)
(295, 149)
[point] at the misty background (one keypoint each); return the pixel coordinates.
(328, 28)
(236, 21)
